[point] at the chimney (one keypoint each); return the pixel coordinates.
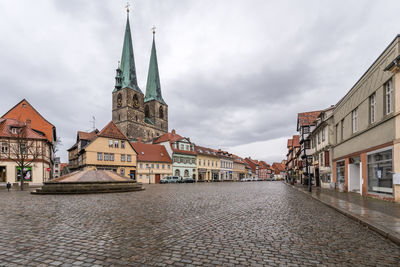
(140, 140)
(28, 123)
(173, 131)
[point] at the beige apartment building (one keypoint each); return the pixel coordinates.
(366, 156)
(207, 164)
(153, 162)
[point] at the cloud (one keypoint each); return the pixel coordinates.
(234, 73)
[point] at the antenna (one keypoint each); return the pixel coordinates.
(93, 121)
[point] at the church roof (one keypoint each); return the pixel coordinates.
(128, 69)
(153, 87)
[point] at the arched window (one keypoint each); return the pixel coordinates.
(135, 101)
(186, 173)
(136, 118)
(177, 173)
(119, 100)
(161, 112)
(146, 111)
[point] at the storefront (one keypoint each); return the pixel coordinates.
(380, 171)
(340, 174)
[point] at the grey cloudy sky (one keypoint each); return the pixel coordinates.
(234, 73)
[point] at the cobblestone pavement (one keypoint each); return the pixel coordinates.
(219, 224)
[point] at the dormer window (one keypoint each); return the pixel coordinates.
(14, 130)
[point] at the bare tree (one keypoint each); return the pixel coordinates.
(25, 150)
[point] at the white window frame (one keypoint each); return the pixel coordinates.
(372, 108)
(354, 119)
(323, 134)
(389, 97)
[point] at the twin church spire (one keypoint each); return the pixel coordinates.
(126, 71)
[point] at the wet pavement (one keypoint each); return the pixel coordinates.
(379, 215)
(217, 224)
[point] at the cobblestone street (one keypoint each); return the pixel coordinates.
(218, 224)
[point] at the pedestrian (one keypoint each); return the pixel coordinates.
(8, 186)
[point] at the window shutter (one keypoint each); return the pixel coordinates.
(326, 158)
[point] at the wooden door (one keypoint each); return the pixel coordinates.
(157, 181)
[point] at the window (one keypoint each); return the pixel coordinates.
(157, 166)
(14, 130)
(106, 157)
(307, 144)
(389, 97)
(122, 157)
(163, 166)
(306, 129)
(146, 111)
(380, 172)
(147, 166)
(141, 165)
(122, 144)
(4, 147)
(323, 134)
(354, 118)
(342, 129)
(128, 158)
(161, 112)
(116, 143)
(199, 162)
(152, 165)
(23, 148)
(319, 137)
(99, 156)
(122, 171)
(110, 143)
(372, 104)
(337, 133)
(140, 176)
(169, 167)
(112, 157)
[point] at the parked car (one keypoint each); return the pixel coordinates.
(170, 179)
(188, 180)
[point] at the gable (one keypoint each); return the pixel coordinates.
(24, 111)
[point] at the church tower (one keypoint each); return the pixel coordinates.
(129, 111)
(155, 108)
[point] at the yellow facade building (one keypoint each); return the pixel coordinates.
(208, 164)
(108, 149)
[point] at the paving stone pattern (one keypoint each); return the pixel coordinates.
(218, 224)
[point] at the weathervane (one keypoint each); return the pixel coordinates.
(127, 6)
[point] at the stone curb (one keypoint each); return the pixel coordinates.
(392, 236)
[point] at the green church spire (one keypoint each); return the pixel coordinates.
(153, 87)
(128, 69)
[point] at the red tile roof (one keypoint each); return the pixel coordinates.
(63, 165)
(296, 140)
(7, 124)
(279, 166)
(171, 137)
(111, 131)
(307, 118)
(289, 143)
(24, 111)
(87, 136)
(151, 153)
(205, 151)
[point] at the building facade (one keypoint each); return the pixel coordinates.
(226, 165)
(239, 168)
(207, 164)
(367, 130)
(19, 141)
(153, 163)
(182, 152)
(305, 125)
(322, 148)
(108, 149)
(138, 115)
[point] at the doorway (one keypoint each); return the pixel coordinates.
(3, 177)
(355, 177)
(157, 179)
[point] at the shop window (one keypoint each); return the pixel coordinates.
(380, 167)
(340, 178)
